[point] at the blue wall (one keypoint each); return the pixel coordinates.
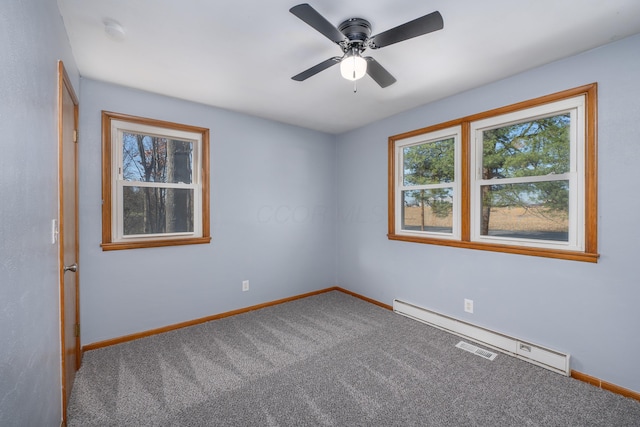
(588, 310)
(32, 40)
(273, 206)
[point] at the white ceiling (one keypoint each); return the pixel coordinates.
(241, 54)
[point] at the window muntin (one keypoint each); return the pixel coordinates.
(547, 194)
(155, 183)
(428, 184)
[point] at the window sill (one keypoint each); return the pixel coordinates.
(154, 243)
(521, 250)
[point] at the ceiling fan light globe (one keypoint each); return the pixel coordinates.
(353, 67)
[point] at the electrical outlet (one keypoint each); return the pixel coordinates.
(468, 305)
(245, 285)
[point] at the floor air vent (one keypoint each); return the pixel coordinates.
(476, 350)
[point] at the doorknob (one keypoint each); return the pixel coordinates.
(73, 267)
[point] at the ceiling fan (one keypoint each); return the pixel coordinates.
(354, 37)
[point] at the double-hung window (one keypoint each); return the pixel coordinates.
(155, 183)
(428, 193)
(525, 188)
(524, 181)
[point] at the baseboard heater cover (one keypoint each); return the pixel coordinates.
(532, 353)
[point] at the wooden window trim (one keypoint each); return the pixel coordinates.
(590, 253)
(107, 233)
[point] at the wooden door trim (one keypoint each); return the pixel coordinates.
(64, 84)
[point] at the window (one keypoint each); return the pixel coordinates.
(429, 184)
(155, 183)
(519, 179)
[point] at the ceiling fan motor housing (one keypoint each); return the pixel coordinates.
(357, 31)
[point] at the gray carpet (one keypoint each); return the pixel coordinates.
(327, 360)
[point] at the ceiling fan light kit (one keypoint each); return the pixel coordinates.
(353, 36)
(353, 66)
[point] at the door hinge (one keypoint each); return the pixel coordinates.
(75, 135)
(77, 330)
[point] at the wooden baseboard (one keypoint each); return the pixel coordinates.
(362, 297)
(138, 335)
(605, 385)
(93, 346)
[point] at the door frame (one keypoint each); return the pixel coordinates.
(64, 84)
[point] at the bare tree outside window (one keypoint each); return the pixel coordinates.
(152, 210)
(155, 189)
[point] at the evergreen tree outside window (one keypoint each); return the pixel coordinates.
(527, 180)
(429, 190)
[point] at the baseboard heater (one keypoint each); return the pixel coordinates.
(532, 353)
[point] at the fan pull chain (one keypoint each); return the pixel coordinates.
(355, 84)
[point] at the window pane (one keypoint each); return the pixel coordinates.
(429, 163)
(532, 148)
(526, 211)
(149, 158)
(157, 210)
(428, 210)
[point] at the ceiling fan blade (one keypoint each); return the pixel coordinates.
(317, 21)
(379, 73)
(316, 69)
(417, 27)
